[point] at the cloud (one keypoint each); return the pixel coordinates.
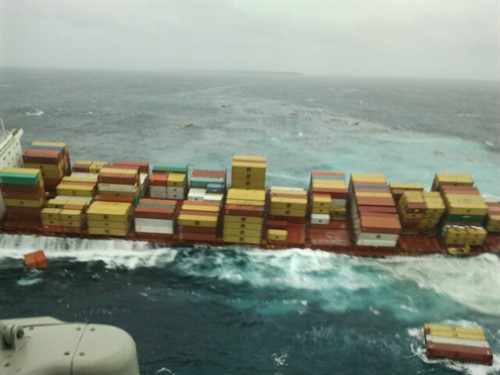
(338, 38)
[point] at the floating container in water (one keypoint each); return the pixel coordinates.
(457, 343)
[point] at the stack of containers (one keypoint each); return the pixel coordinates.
(248, 172)
(52, 162)
(398, 189)
(154, 216)
(328, 192)
(420, 211)
(66, 212)
(374, 215)
(411, 208)
(68, 218)
(42, 145)
(207, 185)
(199, 221)
(244, 216)
(492, 224)
(466, 210)
(120, 181)
(169, 181)
(23, 192)
(434, 211)
(288, 208)
(109, 218)
(143, 167)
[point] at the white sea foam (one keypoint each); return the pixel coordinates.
(114, 253)
(37, 112)
(473, 282)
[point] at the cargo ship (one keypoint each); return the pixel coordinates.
(45, 193)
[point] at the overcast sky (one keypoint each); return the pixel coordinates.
(441, 39)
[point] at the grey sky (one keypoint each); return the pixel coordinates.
(442, 39)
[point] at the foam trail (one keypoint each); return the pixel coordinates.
(114, 253)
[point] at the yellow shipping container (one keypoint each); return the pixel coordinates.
(250, 226)
(89, 177)
(97, 165)
(287, 212)
(367, 177)
(60, 201)
(329, 184)
(245, 202)
(251, 185)
(197, 220)
(34, 203)
(277, 235)
(52, 222)
(71, 215)
(405, 186)
(242, 239)
(193, 206)
(103, 224)
(49, 213)
(110, 211)
(243, 219)
(279, 190)
(289, 205)
(321, 200)
(321, 210)
(176, 180)
(75, 190)
(338, 209)
(242, 232)
(72, 223)
(241, 194)
(53, 168)
(455, 332)
(441, 179)
(108, 232)
(243, 171)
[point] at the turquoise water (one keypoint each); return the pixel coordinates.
(244, 310)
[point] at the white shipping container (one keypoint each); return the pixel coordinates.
(154, 222)
(117, 187)
(153, 229)
(456, 341)
(213, 197)
(177, 196)
(196, 194)
(320, 219)
(380, 243)
(175, 190)
(159, 195)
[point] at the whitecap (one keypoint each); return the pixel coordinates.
(37, 112)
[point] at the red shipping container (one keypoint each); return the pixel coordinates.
(23, 188)
(42, 156)
(241, 210)
(142, 166)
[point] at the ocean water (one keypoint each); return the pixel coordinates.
(241, 310)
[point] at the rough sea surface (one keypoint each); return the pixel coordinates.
(240, 310)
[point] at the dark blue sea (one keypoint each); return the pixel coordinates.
(241, 310)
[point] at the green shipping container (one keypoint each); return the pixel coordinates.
(15, 178)
(171, 168)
